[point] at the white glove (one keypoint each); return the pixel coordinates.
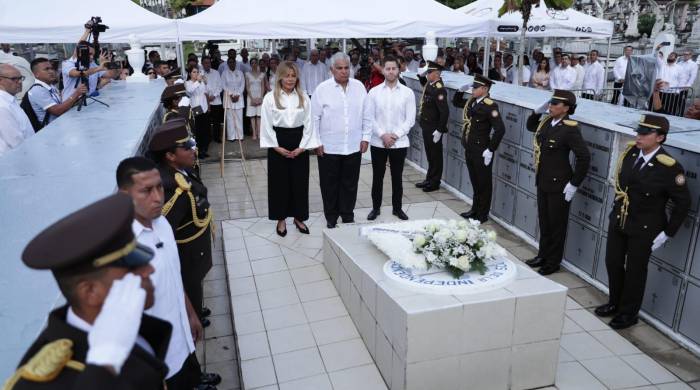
(436, 136)
(114, 332)
(659, 241)
(569, 192)
(487, 155)
(543, 108)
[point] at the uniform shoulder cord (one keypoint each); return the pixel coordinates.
(422, 96)
(621, 194)
(466, 127)
(536, 144)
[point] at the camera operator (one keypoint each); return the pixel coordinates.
(45, 100)
(72, 74)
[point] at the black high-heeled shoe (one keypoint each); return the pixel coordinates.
(281, 233)
(304, 230)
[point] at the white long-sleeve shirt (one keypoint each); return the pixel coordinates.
(580, 73)
(312, 75)
(14, 124)
(669, 73)
(594, 77)
(391, 110)
(234, 84)
(562, 78)
(196, 91)
(169, 292)
(689, 73)
(620, 68)
(290, 117)
(338, 117)
(214, 86)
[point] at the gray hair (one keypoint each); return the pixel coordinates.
(338, 57)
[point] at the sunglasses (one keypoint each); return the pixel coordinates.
(15, 79)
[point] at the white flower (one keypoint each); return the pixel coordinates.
(461, 235)
(442, 235)
(418, 241)
(463, 224)
(491, 235)
(432, 228)
(463, 263)
(452, 224)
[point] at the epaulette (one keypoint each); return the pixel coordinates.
(666, 160)
(182, 182)
(438, 85)
(569, 122)
(631, 143)
(488, 101)
(47, 364)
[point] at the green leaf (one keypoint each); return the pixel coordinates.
(456, 272)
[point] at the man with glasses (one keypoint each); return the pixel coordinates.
(689, 72)
(45, 100)
(15, 126)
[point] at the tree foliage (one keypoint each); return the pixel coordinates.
(178, 5)
(646, 23)
(455, 3)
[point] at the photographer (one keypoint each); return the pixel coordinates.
(72, 74)
(44, 98)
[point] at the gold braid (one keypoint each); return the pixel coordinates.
(536, 144)
(202, 223)
(467, 126)
(621, 194)
(422, 96)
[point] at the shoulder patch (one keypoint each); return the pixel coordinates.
(48, 362)
(182, 182)
(488, 101)
(570, 122)
(666, 160)
(438, 85)
(494, 113)
(680, 179)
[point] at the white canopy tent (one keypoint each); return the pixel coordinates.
(543, 22)
(255, 19)
(42, 21)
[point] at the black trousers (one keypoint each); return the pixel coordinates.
(616, 95)
(288, 179)
(587, 96)
(217, 119)
(434, 153)
(553, 213)
(480, 176)
(626, 259)
(188, 377)
(202, 131)
(338, 176)
(396, 158)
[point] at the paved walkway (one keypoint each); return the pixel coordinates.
(293, 331)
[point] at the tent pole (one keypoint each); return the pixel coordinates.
(487, 53)
(179, 55)
(607, 59)
(345, 45)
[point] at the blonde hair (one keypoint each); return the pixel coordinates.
(282, 70)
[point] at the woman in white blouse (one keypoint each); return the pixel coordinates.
(255, 85)
(196, 87)
(286, 131)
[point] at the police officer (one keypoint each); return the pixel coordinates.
(645, 179)
(433, 113)
(555, 137)
(100, 339)
(186, 207)
(480, 115)
(171, 97)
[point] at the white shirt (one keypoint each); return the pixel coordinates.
(391, 110)
(244, 66)
(169, 292)
(42, 98)
(73, 320)
(290, 117)
(69, 82)
(14, 124)
(413, 65)
(234, 84)
(214, 86)
(356, 68)
(239, 66)
(620, 68)
(580, 73)
(594, 77)
(196, 91)
(670, 73)
(312, 75)
(689, 73)
(513, 75)
(646, 157)
(562, 78)
(338, 116)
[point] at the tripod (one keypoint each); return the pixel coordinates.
(82, 101)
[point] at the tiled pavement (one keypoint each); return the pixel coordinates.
(293, 332)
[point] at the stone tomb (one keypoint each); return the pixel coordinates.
(506, 338)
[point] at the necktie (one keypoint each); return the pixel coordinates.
(638, 164)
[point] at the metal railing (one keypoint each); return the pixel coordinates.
(673, 100)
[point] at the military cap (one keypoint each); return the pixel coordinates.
(172, 92)
(171, 134)
(653, 123)
(481, 81)
(173, 74)
(431, 66)
(96, 236)
(563, 96)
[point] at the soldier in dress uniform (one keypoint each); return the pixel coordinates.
(480, 115)
(557, 181)
(433, 115)
(100, 339)
(171, 97)
(186, 208)
(647, 177)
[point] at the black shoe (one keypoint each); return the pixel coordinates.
(205, 322)
(606, 310)
(467, 214)
(281, 233)
(209, 378)
(331, 225)
(622, 321)
(548, 269)
(373, 214)
(422, 184)
(535, 262)
(206, 312)
(482, 220)
(348, 220)
(304, 230)
(203, 386)
(430, 188)
(399, 213)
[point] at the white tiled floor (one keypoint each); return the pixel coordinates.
(294, 331)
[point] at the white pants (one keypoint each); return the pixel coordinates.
(234, 124)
